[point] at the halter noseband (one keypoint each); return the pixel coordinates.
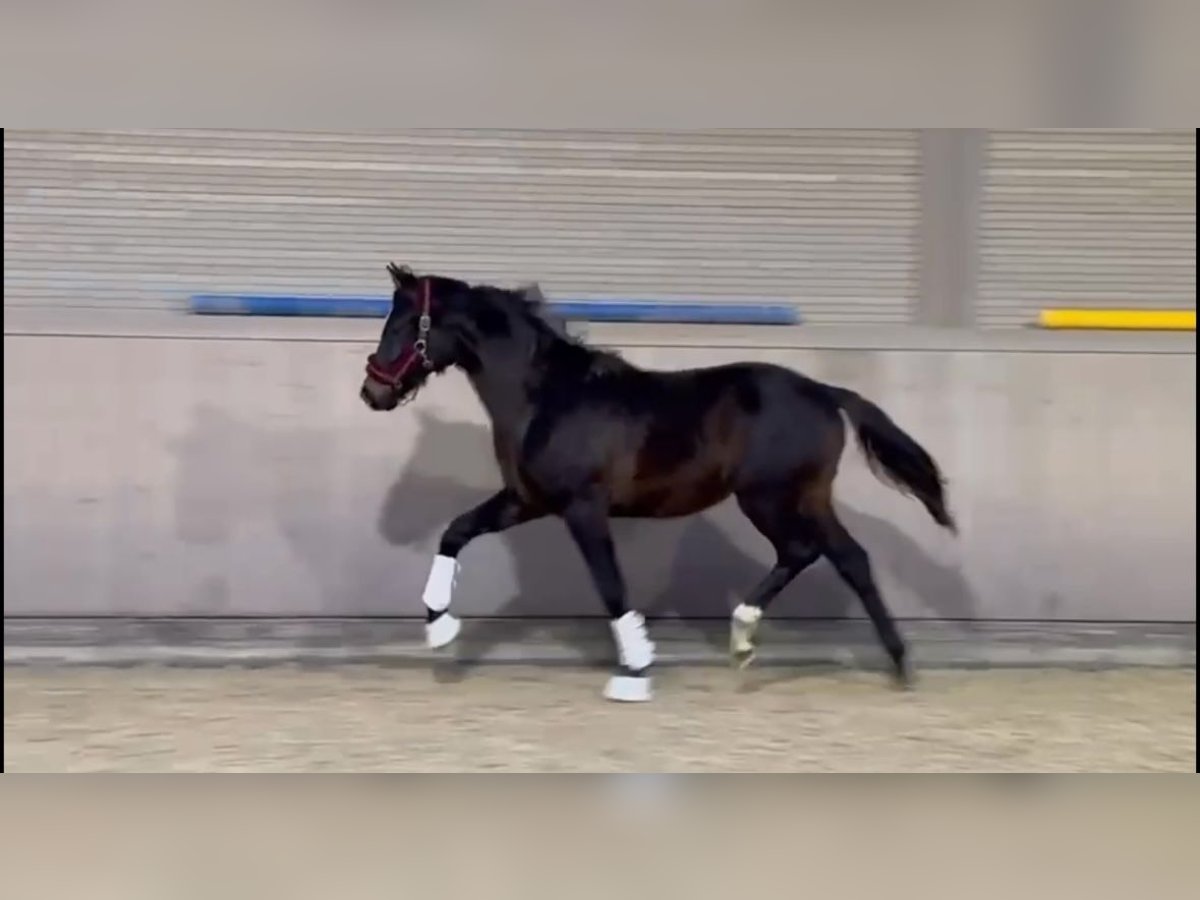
(392, 373)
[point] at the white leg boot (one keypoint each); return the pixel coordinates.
(636, 653)
(442, 627)
(742, 627)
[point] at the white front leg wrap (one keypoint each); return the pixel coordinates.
(439, 589)
(634, 647)
(744, 625)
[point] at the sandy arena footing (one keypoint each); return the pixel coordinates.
(552, 719)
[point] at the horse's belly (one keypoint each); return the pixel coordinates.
(664, 499)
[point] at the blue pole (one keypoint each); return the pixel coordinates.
(586, 310)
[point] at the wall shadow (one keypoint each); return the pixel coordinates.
(707, 569)
(233, 473)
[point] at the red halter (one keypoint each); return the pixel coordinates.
(392, 373)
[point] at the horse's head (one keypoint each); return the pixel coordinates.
(418, 339)
(439, 322)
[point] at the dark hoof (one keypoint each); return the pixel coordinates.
(902, 678)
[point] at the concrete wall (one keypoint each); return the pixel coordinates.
(165, 466)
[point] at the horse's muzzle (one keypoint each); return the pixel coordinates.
(377, 396)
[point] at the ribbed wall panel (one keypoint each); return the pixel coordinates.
(1087, 219)
(827, 219)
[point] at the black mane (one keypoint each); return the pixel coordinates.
(555, 346)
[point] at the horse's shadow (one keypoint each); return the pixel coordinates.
(706, 568)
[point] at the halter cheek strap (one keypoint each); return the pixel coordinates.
(393, 373)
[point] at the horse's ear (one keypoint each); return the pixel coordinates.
(534, 297)
(402, 276)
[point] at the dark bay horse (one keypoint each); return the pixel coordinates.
(583, 435)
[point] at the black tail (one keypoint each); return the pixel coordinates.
(895, 457)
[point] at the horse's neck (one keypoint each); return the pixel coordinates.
(503, 381)
(502, 395)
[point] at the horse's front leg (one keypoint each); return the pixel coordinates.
(587, 520)
(500, 511)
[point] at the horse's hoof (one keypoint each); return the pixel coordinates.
(628, 689)
(742, 658)
(902, 679)
(442, 631)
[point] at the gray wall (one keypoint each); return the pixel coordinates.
(159, 465)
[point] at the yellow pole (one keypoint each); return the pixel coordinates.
(1120, 319)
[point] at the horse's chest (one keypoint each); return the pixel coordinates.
(507, 448)
(507, 451)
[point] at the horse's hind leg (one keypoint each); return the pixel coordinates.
(792, 536)
(851, 562)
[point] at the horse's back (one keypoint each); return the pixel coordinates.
(673, 443)
(792, 429)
